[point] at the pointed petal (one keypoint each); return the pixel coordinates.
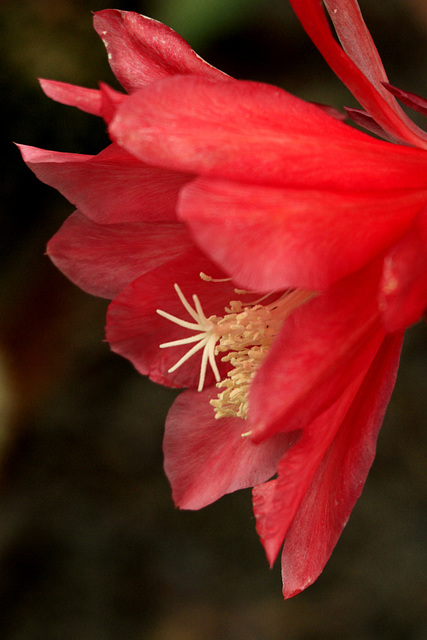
(89, 100)
(357, 41)
(257, 133)
(403, 292)
(206, 458)
(103, 259)
(326, 343)
(110, 187)
(101, 102)
(412, 100)
(366, 121)
(359, 66)
(322, 475)
(294, 238)
(142, 50)
(340, 478)
(277, 502)
(331, 111)
(135, 330)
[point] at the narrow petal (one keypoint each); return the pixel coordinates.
(321, 348)
(101, 102)
(340, 478)
(110, 187)
(142, 50)
(364, 81)
(135, 330)
(294, 238)
(257, 133)
(366, 121)
(207, 458)
(331, 111)
(403, 292)
(412, 100)
(103, 259)
(357, 41)
(89, 100)
(277, 502)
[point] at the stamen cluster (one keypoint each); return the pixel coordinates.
(245, 334)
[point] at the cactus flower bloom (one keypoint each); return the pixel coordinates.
(259, 252)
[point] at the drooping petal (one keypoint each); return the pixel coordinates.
(103, 259)
(359, 66)
(110, 187)
(135, 330)
(206, 458)
(142, 50)
(258, 134)
(321, 348)
(340, 478)
(270, 238)
(403, 288)
(276, 503)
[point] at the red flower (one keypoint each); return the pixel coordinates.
(211, 184)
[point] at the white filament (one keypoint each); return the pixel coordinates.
(205, 337)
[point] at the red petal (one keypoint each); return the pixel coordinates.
(360, 67)
(357, 41)
(111, 100)
(331, 111)
(206, 458)
(277, 502)
(135, 330)
(340, 478)
(412, 100)
(366, 121)
(271, 238)
(403, 293)
(322, 475)
(110, 187)
(256, 133)
(89, 100)
(142, 50)
(326, 343)
(103, 259)
(103, 102)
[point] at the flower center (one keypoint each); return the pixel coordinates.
(244, 334)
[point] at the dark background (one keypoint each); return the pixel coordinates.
(91, 546)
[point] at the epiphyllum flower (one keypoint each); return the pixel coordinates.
(260, 252)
